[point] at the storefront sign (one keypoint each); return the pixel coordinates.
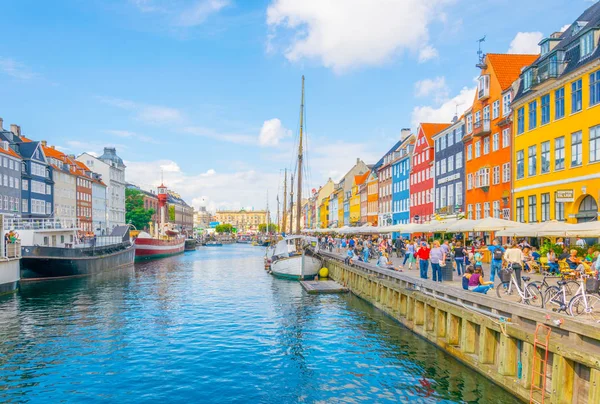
(565, 195)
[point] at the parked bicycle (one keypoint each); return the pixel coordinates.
(584, 303)
(530, 294)
(571, 286)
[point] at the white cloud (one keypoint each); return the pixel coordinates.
(200, 11)
(272, 132)
(436, 87)
(16, 69)
(182, 13)
(343, 34)
(151, 114)
(132, 135)
(427, 53)
(221, 136)
(445, 111)
(526, 43)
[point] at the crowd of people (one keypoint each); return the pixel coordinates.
(467, 261)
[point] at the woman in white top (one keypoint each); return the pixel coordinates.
(514, 256)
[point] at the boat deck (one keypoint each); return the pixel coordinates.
(322, 287)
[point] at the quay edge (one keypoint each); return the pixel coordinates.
(9, 276)
(453, 319)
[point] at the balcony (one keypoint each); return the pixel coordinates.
(483, 87)
(483, 93)
(548, 70)
(482, 128)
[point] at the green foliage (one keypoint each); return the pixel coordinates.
(547, 246)
(135, 213)
(262, 228)
(224, 228)
(171, 213)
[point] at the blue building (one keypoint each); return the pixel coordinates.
(449, 161)
(401, 181)
(37, 185)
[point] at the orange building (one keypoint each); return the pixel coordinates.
(487, 137)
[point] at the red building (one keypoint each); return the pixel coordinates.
(421, 177)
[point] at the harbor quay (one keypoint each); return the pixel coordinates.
(512, 344)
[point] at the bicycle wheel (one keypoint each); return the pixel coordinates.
(552, 297)
(533, 296)
(591, 311)
(571, 288)
(504, 289)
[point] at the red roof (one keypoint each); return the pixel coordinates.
(9, 152)
(431, 129)
(361, 178)
(507, 67)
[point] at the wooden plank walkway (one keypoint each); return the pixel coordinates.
(318, 287)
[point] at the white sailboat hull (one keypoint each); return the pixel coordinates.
(291, 268)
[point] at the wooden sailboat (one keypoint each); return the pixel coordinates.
(296, 263)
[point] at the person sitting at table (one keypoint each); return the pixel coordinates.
(535, 254)
(574, 262)
(527, 259)
(565, 254)
(475, 282)
(589, 257)
(553, 262)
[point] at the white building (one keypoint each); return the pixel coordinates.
(111, 168)
(65, 202)
(99, 206)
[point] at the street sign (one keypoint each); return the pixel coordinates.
(417, 217)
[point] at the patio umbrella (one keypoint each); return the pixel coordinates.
(551, 228)
(493, 224)
(587, 229)
(460, 226)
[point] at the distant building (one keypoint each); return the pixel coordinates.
(202, 218)
(99, 203)
(111, 168)
(449, 164)
(183, 214)
(65, 204)
(401, 181)
(10, 182)
(242, 220)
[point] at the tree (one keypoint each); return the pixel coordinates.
(135, 213)
(171, 213)
(262, 228)
(224, 228)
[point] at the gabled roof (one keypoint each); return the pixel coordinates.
(361, 178)
(377, 165)
(507, 67)
(28, 148)
(9, 152)
(431, 129)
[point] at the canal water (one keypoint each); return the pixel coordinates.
(211, 326)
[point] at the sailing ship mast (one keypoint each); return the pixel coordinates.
(292, 204)
(284, 217)
(299, 193)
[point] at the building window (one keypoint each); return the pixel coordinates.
(576, 96)
(595, 144)
(559, 153)
(442, 196)
(470, 212)
(486, 210)
(532, 160)
(506, 172)
(443, 166)
(576, 149)
(497, 213)
(495, 109)
(545, 157)
(559, 211)
(450, 163)
(559, 103)
(469, 152)
(477, 149)
(532, 200)
(469, 123)
(545, 109)
(586, 44)
(437, 168)
(595, 88)
(496, 175)
(477, 211)
(24, 205)
(483, 177)
(442, 142)
(495, 141)
(532, 114)
(459, 190)
(450, 139)
(458, 135)
(545, 203)
(506, 104)
(520, 210)
(520, 164)
(506, 137)
(470, 181)
(520, 120)
(458, 160)
(486, 145)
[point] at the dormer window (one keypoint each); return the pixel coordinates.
(586, 44)
(483, 87)
(545, 48)
(578, 26)
(527, 79)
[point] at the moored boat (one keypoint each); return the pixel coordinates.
(190, 244)
(289, 263)
(148, 247)
(213, 244)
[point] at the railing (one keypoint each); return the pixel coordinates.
(40, 224)
(549, 69)
(102, 241)
(481, 127)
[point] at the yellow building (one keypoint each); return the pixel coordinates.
(354, 204)
(242, 220)
(340, 205)
(556, 142)
(324, 213)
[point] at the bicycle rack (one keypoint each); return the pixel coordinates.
(538, 362)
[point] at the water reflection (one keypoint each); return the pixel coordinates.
(212, 326)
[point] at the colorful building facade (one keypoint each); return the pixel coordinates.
(449, 170)
(557, 127)
(401, 181)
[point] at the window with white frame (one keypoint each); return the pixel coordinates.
(486, 145)
(506, 138)
(443, 166)
(586, 44)
(443, 196)
(450, 164)
(38, 187)
(459, 191)
(506, 172)
(458, 160)
(496, 175)
(469, 211)
(477, 211)
(477, 149)
(437, 168)
(451, 195)
(469, 152)
(497, 213)
(450, 138)
(437, 198)
(469, 123)
(484, 177)
(594, 143)
(469, 181)
(495, 109)
(486, 210)
(495, 141)
(25, 205)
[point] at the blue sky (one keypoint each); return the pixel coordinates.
(209, 90)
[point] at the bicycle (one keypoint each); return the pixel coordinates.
(571, 286)
(557, 295)
(584, 303)
(530, 294)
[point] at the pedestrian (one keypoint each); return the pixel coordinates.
(514, 257)
(410, 254)
(459, 256)
(423, 257)
(351, 242)
(399, 246)
(366, 251)
(497, 252)
(580, 242)
(437, 256)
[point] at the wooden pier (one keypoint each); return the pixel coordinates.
(323, 287)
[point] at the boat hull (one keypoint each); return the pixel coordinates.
(291, 267)
(190, 245)
(152, 248)
(38, 263)
(9, 276)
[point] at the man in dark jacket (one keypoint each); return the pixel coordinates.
(399, 246)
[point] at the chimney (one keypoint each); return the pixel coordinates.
(44, 143)
(404, 133)
(1, 122)
(52, 147)
(16, 129)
